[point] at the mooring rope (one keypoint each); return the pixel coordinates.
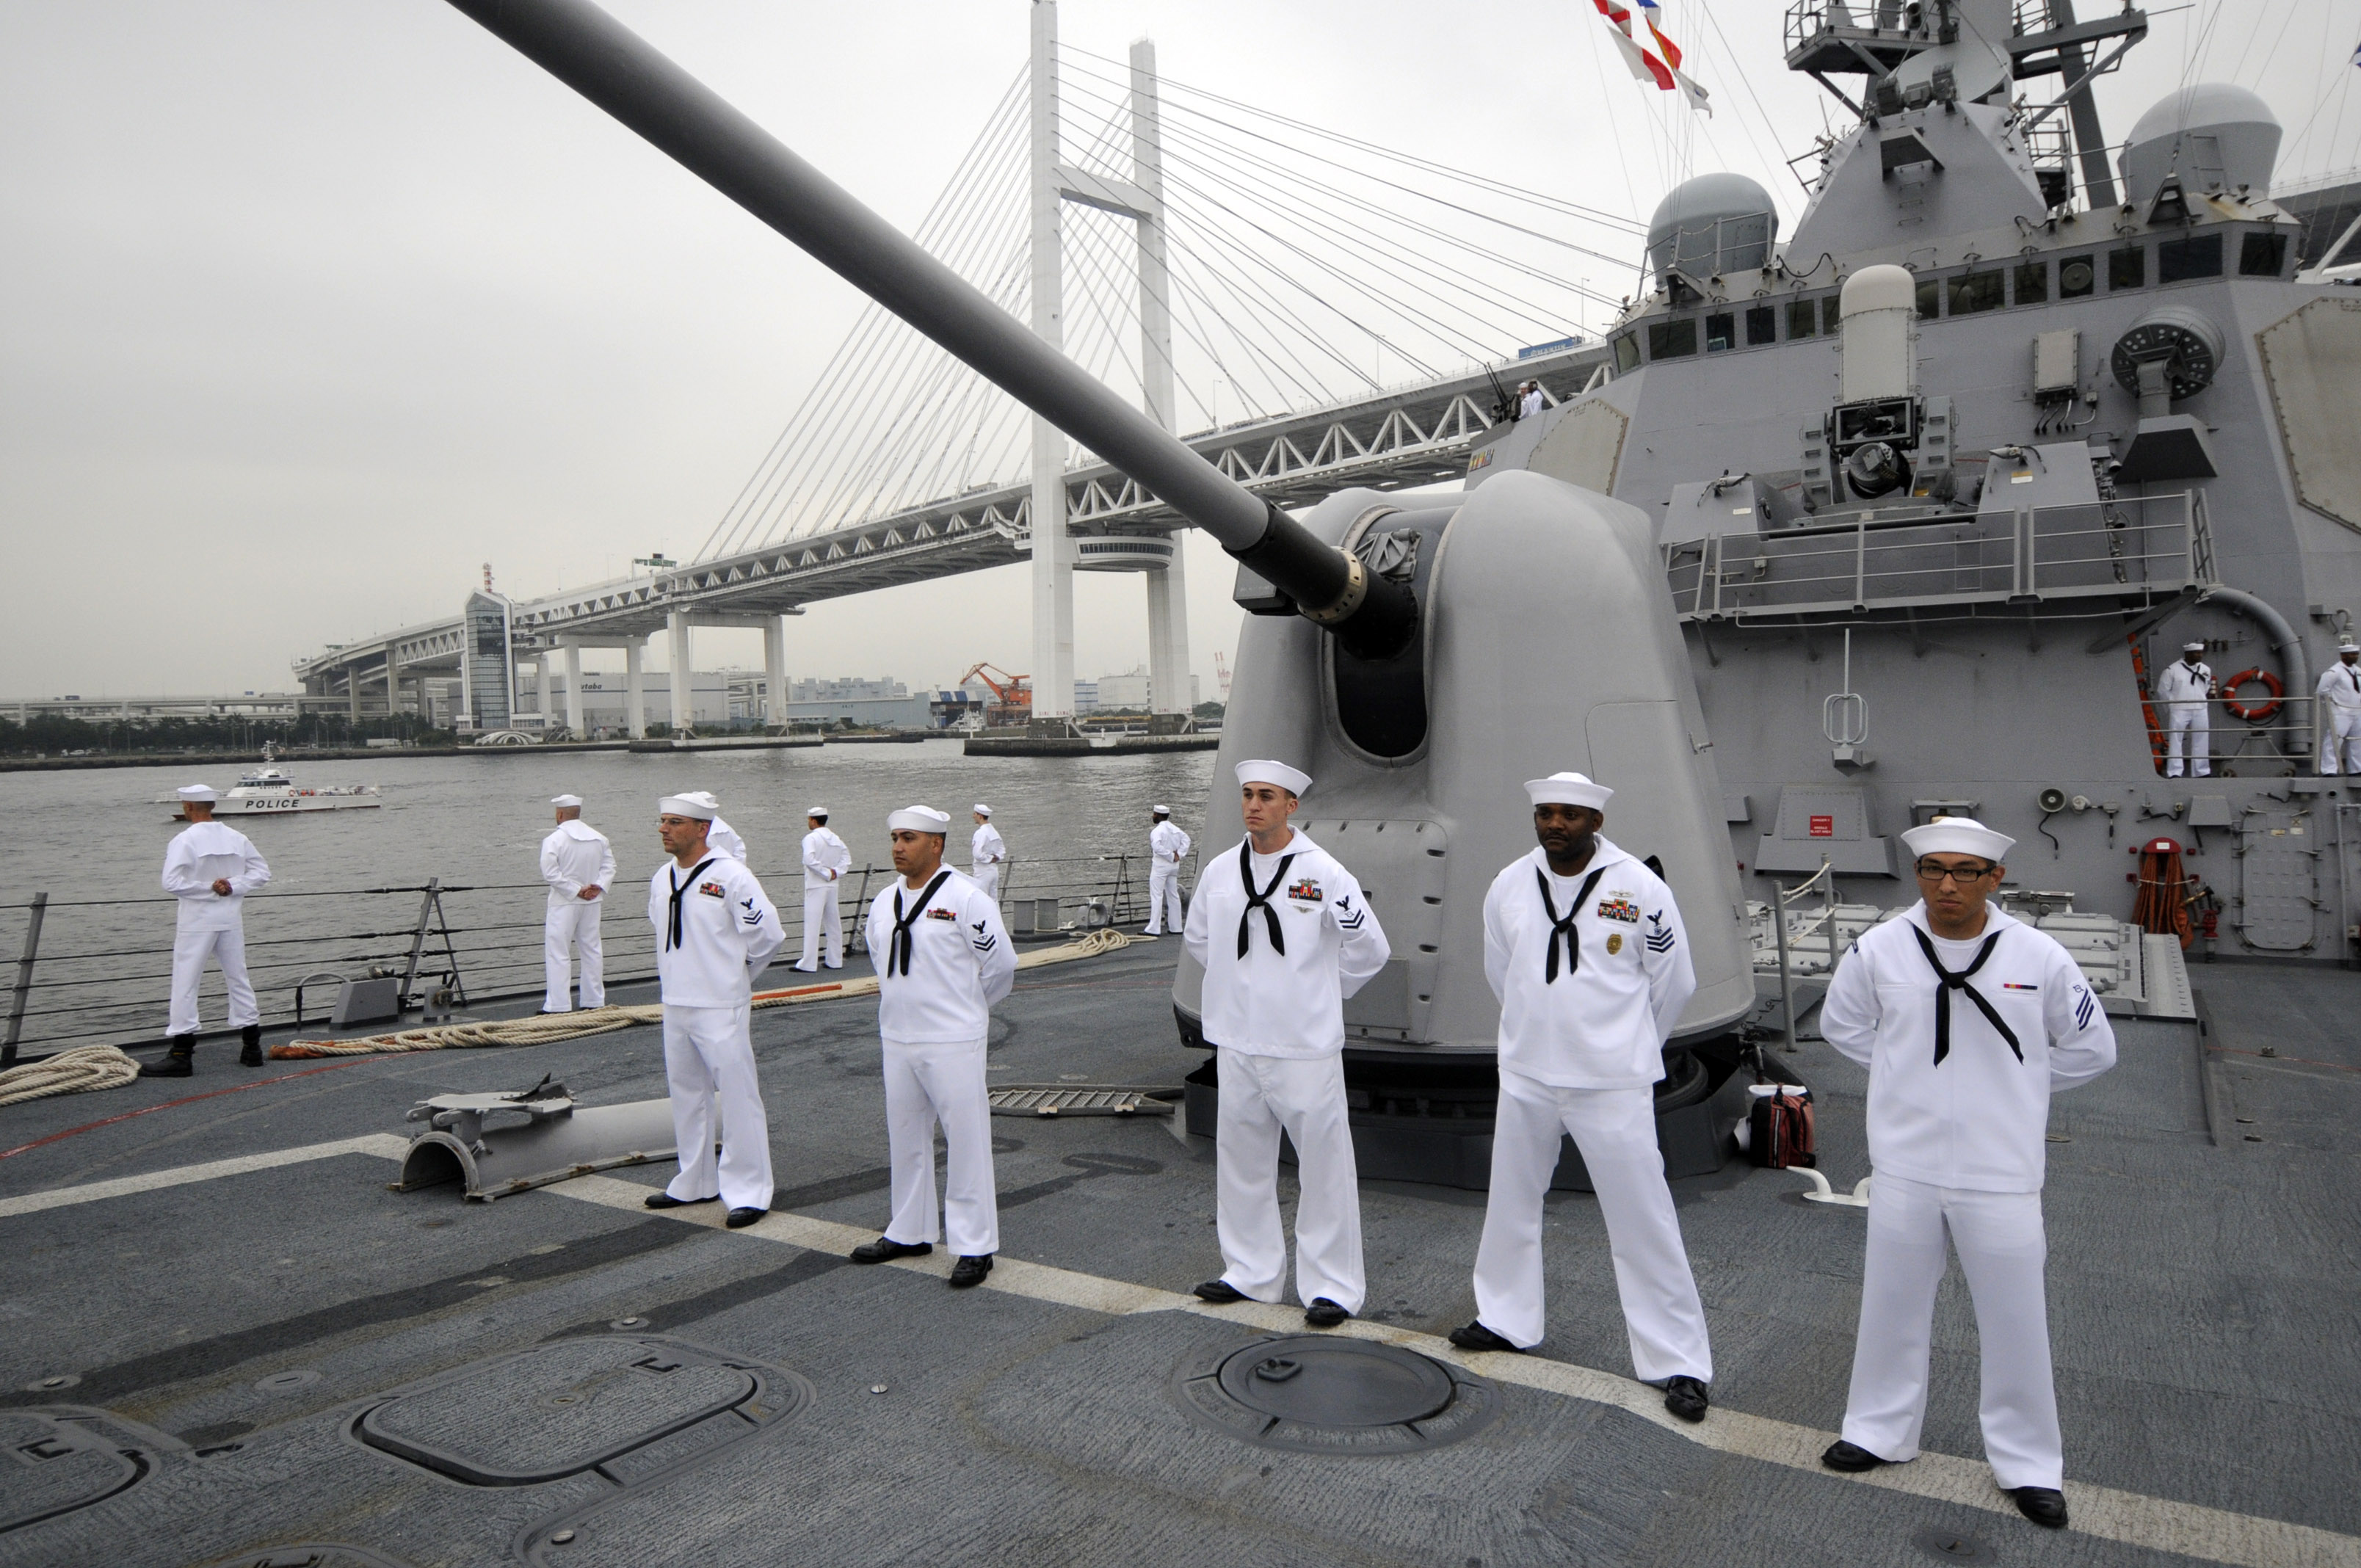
(549, 1028)
(78, 1071)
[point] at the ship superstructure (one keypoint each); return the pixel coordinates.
(1946, 477)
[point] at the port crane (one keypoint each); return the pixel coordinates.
(1012, 695)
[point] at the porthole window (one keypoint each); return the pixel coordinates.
(1627, 353)
(2198, 256)
(1803, 318)
(1973, 291)
(1761, 327)
(2127, 269)
(2032, 283)
(1720, 333)
(2262, 254)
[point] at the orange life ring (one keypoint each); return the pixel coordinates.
(2260, 711)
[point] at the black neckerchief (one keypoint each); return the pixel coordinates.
(1564, 928)
(2352, 673)
(1261, 900)
(897, 952)
(1950, 982)
(672, 932)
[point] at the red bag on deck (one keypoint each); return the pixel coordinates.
(1779, 1131)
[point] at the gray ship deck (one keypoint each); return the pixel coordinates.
(235, 1323)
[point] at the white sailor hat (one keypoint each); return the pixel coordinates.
(1162, 810)
(1568, 789)
(981, 810)
(918, 820)
(1958, 836)
(2349, 647)
(699, 806)
(198, 792)
(818, 811)
(2192, 647)
(573, 800)
(1262, 770)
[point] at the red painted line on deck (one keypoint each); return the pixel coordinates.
(185, 1099)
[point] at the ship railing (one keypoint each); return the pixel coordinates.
(99, 972)
(2135, 549)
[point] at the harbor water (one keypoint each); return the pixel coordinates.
(343, 896)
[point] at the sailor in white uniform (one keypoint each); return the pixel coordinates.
(985, 853)
(942, 959)
(2185, 688)
(209, 870)
(1584, 947)
(826, 859)
(714, 932)
(1284, 936)
(2337, 709)
(1167, 846)
(1968, 1021)
(578, 864)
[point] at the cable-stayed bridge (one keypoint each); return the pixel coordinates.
(1323, 311)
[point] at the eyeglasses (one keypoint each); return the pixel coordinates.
(1934, 875)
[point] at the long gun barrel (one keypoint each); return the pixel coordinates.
(575, 42)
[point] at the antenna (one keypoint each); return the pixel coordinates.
(1844, 718)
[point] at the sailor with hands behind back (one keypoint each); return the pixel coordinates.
(942, 959)
(1284, 936)
(1584, 947)
(1968, 1020)
(714, 932)
(209, 870)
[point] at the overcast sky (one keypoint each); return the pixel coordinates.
(310, 308)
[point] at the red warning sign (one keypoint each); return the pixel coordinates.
(1823, 826)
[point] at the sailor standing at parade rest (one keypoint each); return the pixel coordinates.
(209, 870)
(984, 853)
(826, 859)
(2337, 711)
(1284, 936)
(1968, 1021)
(942, 959)
(714, 932)
(578, 864)
(1584, 947)
(2185, 687)
(1167, 846)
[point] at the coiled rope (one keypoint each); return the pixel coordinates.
(548, 1029)
(78, 1071)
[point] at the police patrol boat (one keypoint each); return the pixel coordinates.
(269, 790)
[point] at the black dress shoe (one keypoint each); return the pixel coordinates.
(249, 1053)
(1475, 1336)
(1323, 1314)
(739, 1218)
(178, 1061)
(969, 1272)
(1220, 1292)
(2044, 1506)
(1849, 1457)
(666, 1200)
(1685, 1398)
(885, 1249)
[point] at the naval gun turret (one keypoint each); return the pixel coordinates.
(1420, 664)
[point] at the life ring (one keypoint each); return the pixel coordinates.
(2260, 711)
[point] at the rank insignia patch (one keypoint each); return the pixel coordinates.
(1307, 891)
(1618, 907)
(1615, 943)
(712, 890)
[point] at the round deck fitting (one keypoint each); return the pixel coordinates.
(1332, 1394)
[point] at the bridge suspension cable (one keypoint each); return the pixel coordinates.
(1307, 269)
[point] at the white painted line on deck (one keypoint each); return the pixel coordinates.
(2158, 1524)
(386, 1146)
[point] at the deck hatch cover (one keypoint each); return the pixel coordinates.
(52, 1463)
(1332, 1394)
(563, 1408)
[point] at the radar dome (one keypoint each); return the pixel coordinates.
(1711, 224)
(2215, 135)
